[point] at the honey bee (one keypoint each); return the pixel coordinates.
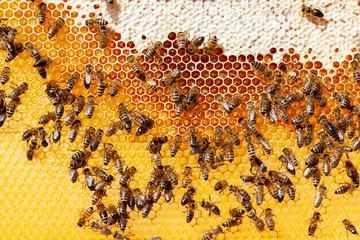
(5, 75)
(250, 145)
(171, 77)
(102, 174)
(308, 11)
(96, 226)
(351, 127)
(352, 173)
(116, 234)
(285, 162)
(115, 87)
(47, 117)
(70, 117)
(209, 153)
(309, 133)
(288, 152)
(86, 214)
(154, 146)
(218, 136)
(72, 80)
(252, 113)
(147, 208)
(316, 177)
(175, 145)
(43, 62)
(261, 69)
(355, 70)
(349, 227)
(314, 220)
(104, 37)
(133, 64)
(194, 45)
(55, 27)
(204, 169)
(276, 85)
(271, 189)
(279, 176)
(270, 223)
(247, 125)
(100, 78)
(211, 45)
(232, 222)
(329, 128)
(211, 207)
(221, 185)
(175, 92)
(124, 116)
(228, 150)
(19, 90)
(234, 102)
(211, 235)
(123, 219)
(90, 106)
(187, 197)
(259, 223)
(168, 194)
(150, 84)
(41, 12)
(153, 50)
(113, 215)
(102, 211)
(294, 97)
(191, 97)
(2, 108)
(190, 211)
(56, 134)
(171, 174)
(182, 38)
(187, 174)
(236, 212)
(265, 104)
(96, 140)
(240, 193)
(89, 179)
(139, 199)
(113, 128)
(95, 22)
(344, 99)
(88, 76)
(89, 135)
(321, 192)
(118, 163)
(109, 152)
(127, 174)
(79, 104)
(193, 136)
(74, 129)
(264, 143)
(344, 188)
(256, 162)
(149, 123)
(300, 118)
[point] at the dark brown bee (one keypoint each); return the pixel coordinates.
(45, 118)
(316, 177)
(288, 152)
(247, 125)
(74, 129)
(5, 75)
(113, 215)
(171, 174)
(259, 223)
(193, 136)
(218, 136)
(89, 135)
(193, 93)
(79, 104)
(144, 128)
(232, 135)
(240, 193)
(250, 147)
(124, 116)
(134, 64)
(43, 62)
(72, 80)
(97, 196)
(89, 72)
(256, 162)
(351, 127)
(109, 152)
(89, 179)
(194, 45)
(96, 140)
(300, 118)
(211, 235)
(221, 185)
(350, 227)
(123, 219)
(261, 69)
(55, 28)
(113, 128)
(3, 110)
(187, 174)
(319, 147)
(264, 104)
(264, 143)
(115, 87)
(232, 222)
(70, 117)
(270, 223)
(314, 220)
(312, 160)
(316, 87)
(95, 22)
(100, 77)
(56, 134)
(309, 133)
(74, 174)
(147, 208)
(139, 199)
(309, 80)
(236, 212)
(153, 50)
(311, 12)
(102, 211)
(300, 135)
(125, 177)
(326, 167)
(279, 176)
(352, 173)
(276, 85)
(211, 207)
(211, 46)
(329, 128)
(344, 188)
(168, 194)
(209, 153)
(96, 226)
(19, 90)
(90, 106)
(175, 145)
(271, 188)
(252, 113)
(103, 174)
(190, 211)
(320, 194)
(118, 163)
(116, 234)
(104, 37)
(41, 12)
(187, 197)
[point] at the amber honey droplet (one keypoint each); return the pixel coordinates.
(250, 58)
(309, 65)
(318, 65)
(268, 58)
(286, 58)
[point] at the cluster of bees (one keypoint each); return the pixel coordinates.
(328, 149)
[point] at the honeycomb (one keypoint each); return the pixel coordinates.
(40, 202)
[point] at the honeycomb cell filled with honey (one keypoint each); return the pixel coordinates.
(38, 200)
